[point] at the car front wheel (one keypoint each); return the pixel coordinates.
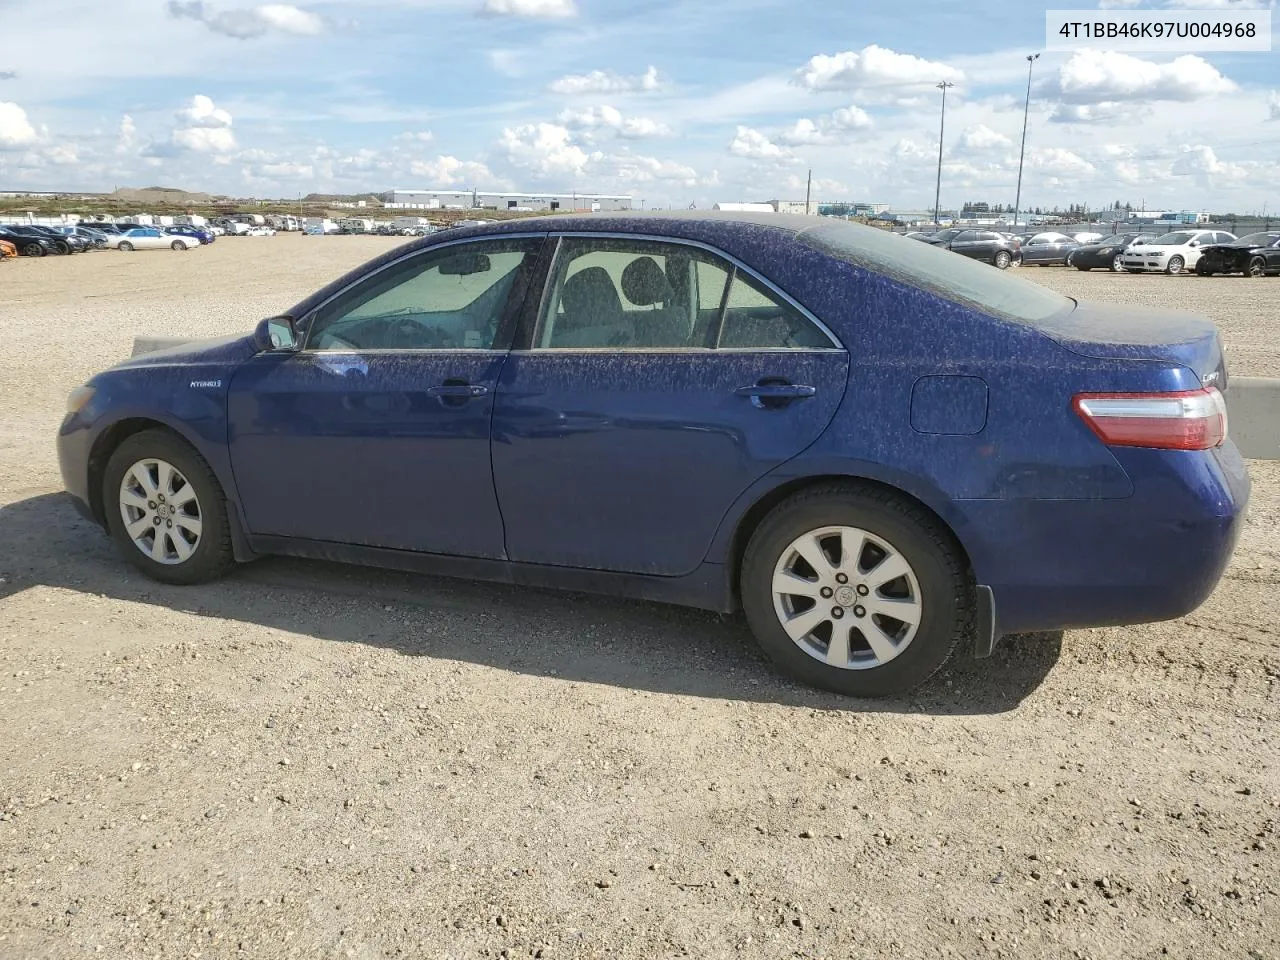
(33, 250)
(166, 510)
(1257, 267)
(855, 590)
(1117, 264)
(1174, 266)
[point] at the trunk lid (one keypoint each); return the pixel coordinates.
(1108, 331)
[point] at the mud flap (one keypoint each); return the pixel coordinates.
(984, 623)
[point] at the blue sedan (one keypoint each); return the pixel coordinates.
(195, 233)
(874, 449)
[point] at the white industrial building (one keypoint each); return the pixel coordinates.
(472, 199)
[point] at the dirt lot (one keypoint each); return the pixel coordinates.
(313, 761)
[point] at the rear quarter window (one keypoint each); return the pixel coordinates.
(936, 270)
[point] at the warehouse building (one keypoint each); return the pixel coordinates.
(472, 199)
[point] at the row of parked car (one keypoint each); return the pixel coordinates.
(34, 240)
(1205, 251)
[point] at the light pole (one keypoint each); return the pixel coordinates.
(942, 126)
(1026, 109)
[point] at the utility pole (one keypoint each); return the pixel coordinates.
(942, 126)
(1026, 109)
(808, 191)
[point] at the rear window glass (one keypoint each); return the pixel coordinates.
(1260, 239)
(937, 270)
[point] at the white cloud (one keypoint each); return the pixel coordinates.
(606, 81)
(1103, 112)
(416, 136)
(873, 66)
(981, 137)
(205, 139)
(1058, 162)
(548, 9)
(830, 129)
(247, 22)
(755, 145)
(15, 129)
(1273, 104)
(8, 75)
(546, 149)
(128, 135)
(1201, 161)
(203, 112)
(452, 172)
(822, 187)
(1095, 76)
(633, 168)
(605, 116)
(908, 149)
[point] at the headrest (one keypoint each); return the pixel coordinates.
(644, 283)
(589, 298)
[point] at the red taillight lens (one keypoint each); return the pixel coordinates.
(1188, 420)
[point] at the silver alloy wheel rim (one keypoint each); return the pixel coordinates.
(846, 597)
(1117, 264)
(161, 512)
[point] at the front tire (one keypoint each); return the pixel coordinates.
(166, 510)
(904, 603)
(178, 245)
(1174, 266)
(1002, 260)
(33, 250)
(1117, 264)
(1257, 267)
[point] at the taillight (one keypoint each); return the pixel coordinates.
(1187, 420)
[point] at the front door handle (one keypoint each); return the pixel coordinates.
(458, 390)
(775, 394)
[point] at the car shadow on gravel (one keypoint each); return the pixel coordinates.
(625, 643)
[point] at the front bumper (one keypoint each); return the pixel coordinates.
(1146, 264)
(1155, 555)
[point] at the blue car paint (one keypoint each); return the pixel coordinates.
(1066, 531)
(204, 236)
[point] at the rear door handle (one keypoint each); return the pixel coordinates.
(764, 395)
(458, 390)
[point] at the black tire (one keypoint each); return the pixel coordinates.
(1174, 266)
(33, 250)
(1002, 259)
(1203, 271)
(62, 247)
(1117, 263)
(125, 246)
(1257, 267)
(178, 245)
(1068, 261)
(946, 593)
(212, 556)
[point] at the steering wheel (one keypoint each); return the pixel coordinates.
(407, 333)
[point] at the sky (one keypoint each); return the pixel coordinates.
(675, 102)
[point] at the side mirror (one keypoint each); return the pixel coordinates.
(276, 334)
(1194, 243)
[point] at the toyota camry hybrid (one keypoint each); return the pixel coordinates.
(875, 449)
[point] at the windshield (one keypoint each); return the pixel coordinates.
(936, 270)
(1259, 239)
(1174, 239)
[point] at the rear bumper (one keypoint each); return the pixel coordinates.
(1156, 555)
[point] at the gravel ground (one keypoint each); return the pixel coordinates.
(308, 760)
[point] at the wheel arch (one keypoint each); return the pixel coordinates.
(106, 443)
(751, 518)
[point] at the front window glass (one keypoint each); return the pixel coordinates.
(937, 270)
(449, 298)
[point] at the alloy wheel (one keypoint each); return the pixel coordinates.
(1117, 263)
(160, 510)
(846, 597)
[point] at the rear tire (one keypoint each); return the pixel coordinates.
(209, 553)
(1002, 260)
(125, 246)
(885, 527)
(178, 245)
(1174, 266)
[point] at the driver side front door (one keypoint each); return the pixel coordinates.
(376, 433)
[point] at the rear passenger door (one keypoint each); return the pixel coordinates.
(653, 384)
(971, 244)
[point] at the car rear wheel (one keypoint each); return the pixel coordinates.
(1002, 259)
(855, 590)
(166, 510)
(1174, 266)
(125, 245)
(1257, 267)
(178, 245)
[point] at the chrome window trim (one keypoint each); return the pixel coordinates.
(559, 235)
(398, 351)
(700, 351)
(305, 348)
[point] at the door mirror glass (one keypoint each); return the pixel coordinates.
(276, 333)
